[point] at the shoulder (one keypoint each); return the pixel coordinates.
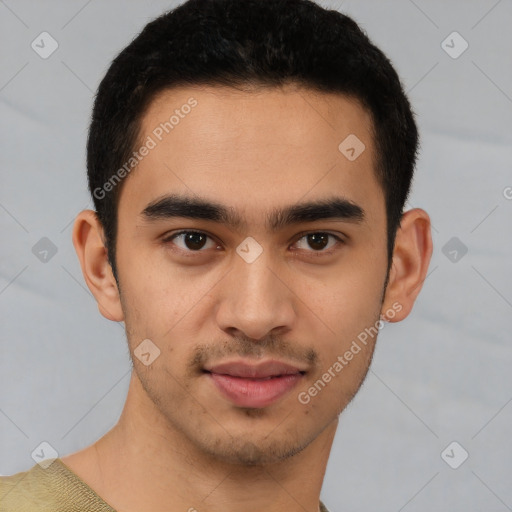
(323, 508)
(48, 488)
(26, 491)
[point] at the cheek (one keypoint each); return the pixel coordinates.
(351, 300)
(152, 294)
(344, 361)
(350, 308)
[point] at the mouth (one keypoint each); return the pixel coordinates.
(254, 386)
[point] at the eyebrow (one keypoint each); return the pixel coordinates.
(174, 205)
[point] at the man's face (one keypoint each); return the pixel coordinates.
(291, 293)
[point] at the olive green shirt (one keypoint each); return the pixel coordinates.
(54, 489)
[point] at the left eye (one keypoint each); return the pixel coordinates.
(319, 241)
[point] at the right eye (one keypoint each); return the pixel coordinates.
(191, 241)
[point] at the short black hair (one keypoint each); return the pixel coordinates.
(235, 43)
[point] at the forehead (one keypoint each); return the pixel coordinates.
(254, 150)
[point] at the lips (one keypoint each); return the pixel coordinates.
(260, 371)
(254, 386)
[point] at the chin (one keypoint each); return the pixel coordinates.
(248, 453)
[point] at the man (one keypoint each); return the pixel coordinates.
(249, 163)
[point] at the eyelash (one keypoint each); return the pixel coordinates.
(339, 240)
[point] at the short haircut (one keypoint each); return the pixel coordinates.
(250, 43)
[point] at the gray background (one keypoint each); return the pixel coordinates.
(441, 375)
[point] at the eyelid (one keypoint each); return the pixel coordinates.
(339, 236)
(340, 239)
(169, 237)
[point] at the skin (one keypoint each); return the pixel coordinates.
(180, 444)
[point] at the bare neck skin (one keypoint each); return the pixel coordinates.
(143, 465)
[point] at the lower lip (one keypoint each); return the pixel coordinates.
(254, 393)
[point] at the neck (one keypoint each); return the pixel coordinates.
(144, 464)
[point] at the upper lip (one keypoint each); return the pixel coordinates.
(256, 371)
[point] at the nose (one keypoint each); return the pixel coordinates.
(256, 299)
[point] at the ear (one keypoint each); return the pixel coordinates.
(88, 241)
(411, 259)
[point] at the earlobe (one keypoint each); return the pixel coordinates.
(411, 259)
(90, 249)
